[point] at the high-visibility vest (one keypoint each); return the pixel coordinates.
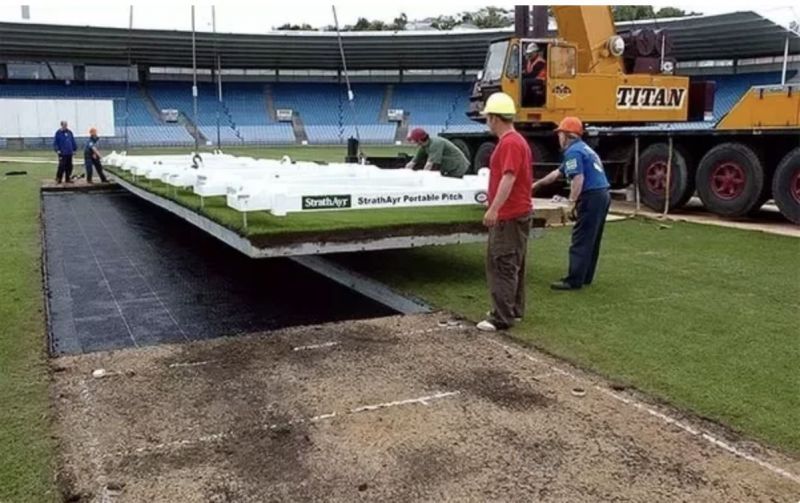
(531, 67)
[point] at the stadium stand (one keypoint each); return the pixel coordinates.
(323, 108)
(731, 87)
(243, 114)
(143, 128)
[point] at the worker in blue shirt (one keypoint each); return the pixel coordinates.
(91, 157)
(590, 198)
(65, 146)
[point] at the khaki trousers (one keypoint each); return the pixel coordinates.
(505, 269)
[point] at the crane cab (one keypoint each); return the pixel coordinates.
(558, 83)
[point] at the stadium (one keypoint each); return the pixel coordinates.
(271, 96)
(259, 305)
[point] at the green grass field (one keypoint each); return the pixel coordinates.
(703, 317)
(26, 446)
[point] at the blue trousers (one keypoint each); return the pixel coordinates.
(89, 163)
(586, 236)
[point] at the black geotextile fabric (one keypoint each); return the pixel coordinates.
(121, 273)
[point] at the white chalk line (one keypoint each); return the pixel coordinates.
(189, 364)
(664, 417)
(422, 400)
(706, 436)
(216, 437)
(316, 346)
(421, 331)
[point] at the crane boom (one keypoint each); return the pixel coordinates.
(589, 27)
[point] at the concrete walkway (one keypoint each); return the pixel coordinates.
(768, 219)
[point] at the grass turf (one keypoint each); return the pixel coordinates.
(700, 316)
(26, 455)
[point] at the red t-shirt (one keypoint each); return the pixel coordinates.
(512, 155)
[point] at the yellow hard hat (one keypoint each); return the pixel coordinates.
(500, 104)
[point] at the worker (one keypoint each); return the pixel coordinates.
(91, 157)
(589, 195)
(65, 146)
(534, 76)
(439, 154)
(535, 64)
(508, 216)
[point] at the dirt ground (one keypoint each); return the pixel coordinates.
(393, 409)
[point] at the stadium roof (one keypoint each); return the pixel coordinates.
(724, 36)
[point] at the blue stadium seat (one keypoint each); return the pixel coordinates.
(730, 88)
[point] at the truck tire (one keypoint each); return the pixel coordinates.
(653, 177)
(786, 186)
(542, 153)
(482, 156)
(462, 146)
(730, 179)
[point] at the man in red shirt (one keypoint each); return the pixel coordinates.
(508, 216)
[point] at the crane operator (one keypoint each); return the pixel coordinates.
(534, 77)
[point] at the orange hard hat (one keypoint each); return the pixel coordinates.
(92, 131)
(571, 125)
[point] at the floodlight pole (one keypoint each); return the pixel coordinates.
(128, 80)
(219, 76)
(194, 88)
(785, 61)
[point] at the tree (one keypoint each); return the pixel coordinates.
(362, 24)
(444, 23)
(673, 12)
(489, 17)
(644, 12)
(399, 23)
(296, 27)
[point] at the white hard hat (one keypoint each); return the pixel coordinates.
(531, 48)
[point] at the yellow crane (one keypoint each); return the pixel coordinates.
(625, 88)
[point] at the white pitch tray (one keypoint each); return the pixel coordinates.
(398, 189)
(283, 187)
(216, 182)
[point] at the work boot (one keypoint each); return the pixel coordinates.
(490, 316)
(563, 285)
(486, 326)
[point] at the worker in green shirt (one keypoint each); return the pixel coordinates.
(439, 154)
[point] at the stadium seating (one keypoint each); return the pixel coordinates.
(369, 133)
(323, 108)
(432, 103)
(731, 87)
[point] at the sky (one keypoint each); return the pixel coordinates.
(260, 17)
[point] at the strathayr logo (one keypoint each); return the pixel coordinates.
(326, 202)
(562, 91)
(636, 97)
